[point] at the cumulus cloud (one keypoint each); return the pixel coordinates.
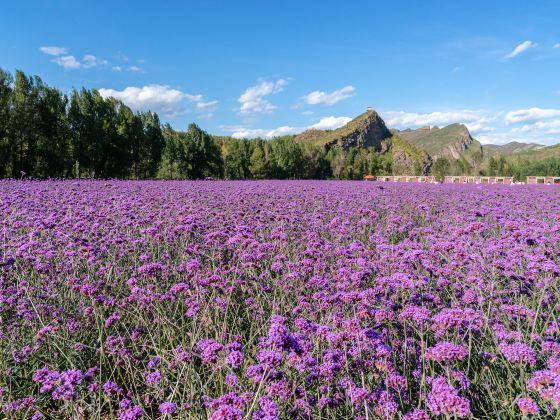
(547, 127)
(538, 137)
(521, 48)
(331, 123)
(53, 50)
(475, 120)
(90, 61)
(70, 62)
(326, 123)
(253, 101)
(531, 114)
(251, 133)
(67, 61)
(159, 98)
(329, 98)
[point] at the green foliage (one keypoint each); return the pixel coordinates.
(257, 163)
(45, 133)
(440, 168)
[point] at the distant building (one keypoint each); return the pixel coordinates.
(544, 180)
(369, 178)
(406, 178)
(369, 109)
(479, 180)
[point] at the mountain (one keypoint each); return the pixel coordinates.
(366, 130)
(369, 130)
(493, 150)
(536, 154)
(415, 151)
(452, 142)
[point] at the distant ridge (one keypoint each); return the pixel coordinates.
(510, 148)
(451, 142)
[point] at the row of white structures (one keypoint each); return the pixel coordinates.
(508, 180)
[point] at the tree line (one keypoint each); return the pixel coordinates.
(46, 133)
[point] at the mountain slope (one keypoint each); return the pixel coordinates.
(369, 130)
(366, 130)
(537, 154)
(491, 150)
(452, 142)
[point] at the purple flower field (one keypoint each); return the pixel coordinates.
(278, 299)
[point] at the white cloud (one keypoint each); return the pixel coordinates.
(206, 105)
(525, 137)
(326, 123)
(531, 114)
(67, 61)
(557, 45)
(135, 69)
(90, 61)
(521, 48)
(251, 133)
(53, 50)
(253, 99)
(70, 62)
(547, 127)
(329, 98)
(331, 123)
(159, 98)
(475, 120)
(206, 109)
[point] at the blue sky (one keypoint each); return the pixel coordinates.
(264, 68)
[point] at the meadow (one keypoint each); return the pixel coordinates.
(278, 299)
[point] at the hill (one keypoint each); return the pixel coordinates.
(369, 130)
(366, 130)
(493, 150)
(453, 142)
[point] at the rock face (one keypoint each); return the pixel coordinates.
(370, 132)
(367, 130)
(449, 142)
(406, 163)
(455, 149)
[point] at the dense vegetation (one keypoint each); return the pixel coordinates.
(278, 300)
(46, 133)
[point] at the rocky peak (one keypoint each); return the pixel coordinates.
(366, 130)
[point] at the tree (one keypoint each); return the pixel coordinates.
(440, 168)
(6, 151)
(205, 155)
(257, 164)
(53, 141)
(152, 147)
(23, 125)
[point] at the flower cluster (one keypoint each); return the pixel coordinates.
(278, 299)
